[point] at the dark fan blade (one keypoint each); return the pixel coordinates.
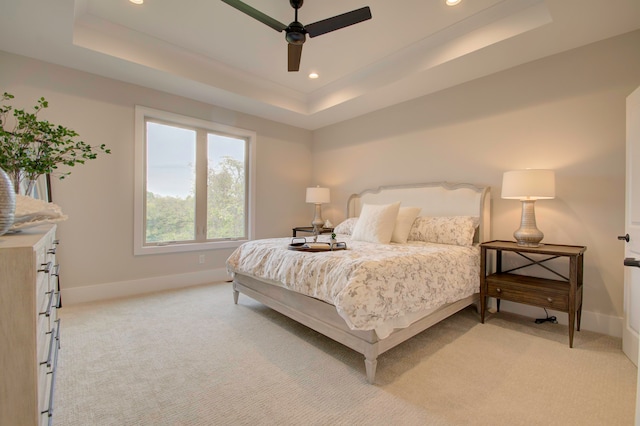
(295, 53)
(256, 14)
(337, 22)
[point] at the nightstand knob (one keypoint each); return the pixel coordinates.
(549, 299)
(498, 290)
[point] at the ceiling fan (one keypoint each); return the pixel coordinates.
(296, 32)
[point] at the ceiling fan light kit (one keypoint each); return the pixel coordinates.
(296, 33)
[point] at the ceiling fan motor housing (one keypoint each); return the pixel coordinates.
(296, 33)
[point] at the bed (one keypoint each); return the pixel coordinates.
(372, 297)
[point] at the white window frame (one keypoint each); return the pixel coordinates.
(141, 114)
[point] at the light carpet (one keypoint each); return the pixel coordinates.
(192, 357)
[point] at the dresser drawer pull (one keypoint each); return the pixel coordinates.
(45, 267)
(49, 411)
(52, 250)
(58, 332)
(56, 270)
(52, 343)
(498, 290)
(50, 304)
(550, 300)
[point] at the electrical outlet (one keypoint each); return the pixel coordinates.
(201, 258)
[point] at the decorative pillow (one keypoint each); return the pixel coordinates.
(404, 221)
(346, 227)
(376, 223)
(456, 230)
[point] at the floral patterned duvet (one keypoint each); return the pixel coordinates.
(369, 283)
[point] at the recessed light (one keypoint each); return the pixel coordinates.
(137, 1)
(452, 2)
(313, 75)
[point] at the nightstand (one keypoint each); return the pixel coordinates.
(563, 294)
(309, 230)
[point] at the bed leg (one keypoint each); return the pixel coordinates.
(370, 365)
(236, 293)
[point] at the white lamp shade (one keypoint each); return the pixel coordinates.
(529, 184)
(318, 195)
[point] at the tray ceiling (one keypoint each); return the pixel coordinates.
(209, 51)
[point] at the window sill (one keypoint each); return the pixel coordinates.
(165, 248)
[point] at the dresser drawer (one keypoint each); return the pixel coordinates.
(47, 374)
(530, 290)
(42, 334)
(47, 309)
(42, 282)
(44, 380)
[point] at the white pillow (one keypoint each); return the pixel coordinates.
(404, 221)
(376, 223)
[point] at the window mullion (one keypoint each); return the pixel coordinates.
(201, 185)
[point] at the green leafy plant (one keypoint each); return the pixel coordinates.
(30, 147)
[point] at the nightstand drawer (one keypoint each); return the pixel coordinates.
(543, 299)
(530, 290)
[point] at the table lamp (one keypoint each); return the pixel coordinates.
(317, 196)
(528, 186)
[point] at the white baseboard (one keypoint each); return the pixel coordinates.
(591, 321)
(145, 285)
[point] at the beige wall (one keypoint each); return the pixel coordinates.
(97, 240)
(565, 112)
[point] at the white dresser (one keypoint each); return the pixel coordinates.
(29, 327)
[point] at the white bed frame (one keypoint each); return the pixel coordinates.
(435, 199)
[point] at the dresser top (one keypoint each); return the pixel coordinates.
(25, 238)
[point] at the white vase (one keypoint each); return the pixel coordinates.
(7, 202)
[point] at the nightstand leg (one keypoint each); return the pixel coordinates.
(571, 327)
(580, 290)
(498, 270)
(574, 302)
(579, 314)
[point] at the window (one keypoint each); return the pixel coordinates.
(194, 183)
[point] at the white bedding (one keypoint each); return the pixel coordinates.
(371, 285)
